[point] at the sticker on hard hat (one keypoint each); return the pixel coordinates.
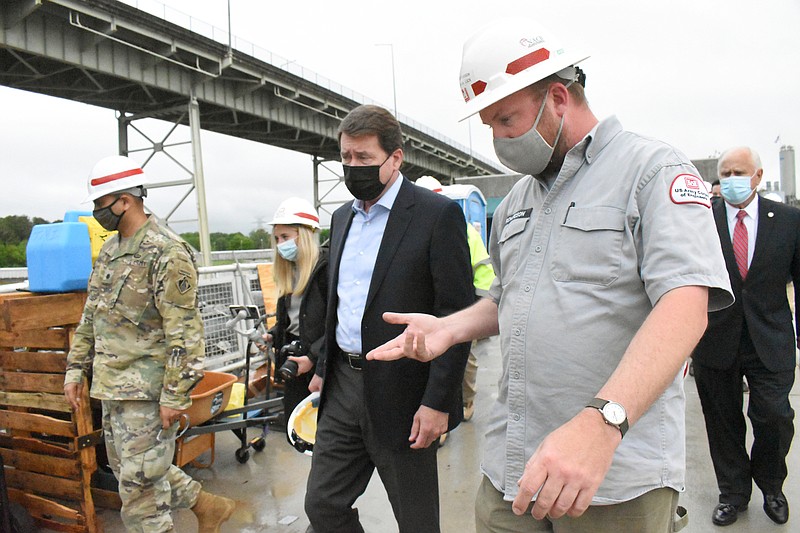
(689, 189)
(116, 176)
(527, 61)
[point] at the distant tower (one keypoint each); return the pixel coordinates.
(707, 168)
(788, 172)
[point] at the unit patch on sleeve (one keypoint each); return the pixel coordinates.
(689, 189)
(184, 282)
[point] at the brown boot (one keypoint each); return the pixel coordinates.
(211, 511)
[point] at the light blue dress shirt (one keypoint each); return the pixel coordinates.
(358, 261)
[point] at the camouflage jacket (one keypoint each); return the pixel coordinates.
(141, 334)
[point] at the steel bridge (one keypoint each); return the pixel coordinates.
(114, 55)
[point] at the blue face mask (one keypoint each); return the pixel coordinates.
(288, 250)
(736, 189)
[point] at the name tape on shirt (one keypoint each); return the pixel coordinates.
(522, 213)
(689, 189)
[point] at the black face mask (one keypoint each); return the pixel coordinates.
(106, 217)
(364, 182)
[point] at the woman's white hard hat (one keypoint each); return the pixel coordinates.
(296, 210)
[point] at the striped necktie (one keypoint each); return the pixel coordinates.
(740, 243)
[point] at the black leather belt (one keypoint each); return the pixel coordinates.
(354, 360)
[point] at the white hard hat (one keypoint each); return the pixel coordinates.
(509, 55)
(301, 429)
(296, 211)
(114, 174)
(430, 183)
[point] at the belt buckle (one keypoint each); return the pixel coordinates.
(354, 357)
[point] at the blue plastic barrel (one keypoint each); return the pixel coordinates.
(59, 257)
(73, 216)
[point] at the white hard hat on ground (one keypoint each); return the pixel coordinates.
(509, 55)
(112, 174)
(296, 211)
(430, 183)
(301, 428)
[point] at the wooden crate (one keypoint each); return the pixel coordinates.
(188, 449)
(48, 450)
(24, 311)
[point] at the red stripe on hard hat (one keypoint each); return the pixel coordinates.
(478, 87)
(117, 176)
(526, 61)
(308, 216)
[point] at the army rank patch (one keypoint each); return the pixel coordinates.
(184, 283)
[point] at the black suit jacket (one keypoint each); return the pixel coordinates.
(761, 299)
(422, 266)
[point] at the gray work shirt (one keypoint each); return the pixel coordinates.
(579, 268)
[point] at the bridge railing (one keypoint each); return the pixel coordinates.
(193, 24)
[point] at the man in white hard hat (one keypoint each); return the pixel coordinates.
(606, 264)
(141, 340)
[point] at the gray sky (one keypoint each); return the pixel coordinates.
(701, 75)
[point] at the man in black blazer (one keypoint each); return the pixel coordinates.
(753, 338)
(396, 247)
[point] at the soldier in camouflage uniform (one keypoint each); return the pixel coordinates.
(141, 340)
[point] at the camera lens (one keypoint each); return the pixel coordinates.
(288, 370)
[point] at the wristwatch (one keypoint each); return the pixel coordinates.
(613, 413)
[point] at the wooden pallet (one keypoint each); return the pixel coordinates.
(48, 450)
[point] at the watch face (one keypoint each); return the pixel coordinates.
(614, 413)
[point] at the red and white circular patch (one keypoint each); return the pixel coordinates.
(689, 189)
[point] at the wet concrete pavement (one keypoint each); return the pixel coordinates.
(270, 487)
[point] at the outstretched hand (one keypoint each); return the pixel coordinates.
(424, 338)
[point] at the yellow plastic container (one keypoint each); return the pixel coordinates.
(237, 398)
(97, 234)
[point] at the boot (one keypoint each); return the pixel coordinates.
(211, 511)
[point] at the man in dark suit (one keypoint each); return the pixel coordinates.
(753, 338)
(396, 247)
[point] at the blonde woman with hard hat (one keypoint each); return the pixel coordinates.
(300, 271)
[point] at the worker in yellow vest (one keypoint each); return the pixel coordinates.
(483, 275)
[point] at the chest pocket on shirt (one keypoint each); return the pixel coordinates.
(510, 242)
(589, 248)
(131, 294)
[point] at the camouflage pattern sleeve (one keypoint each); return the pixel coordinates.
(176, 300)
(81, 350)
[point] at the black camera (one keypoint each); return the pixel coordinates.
(288, 369)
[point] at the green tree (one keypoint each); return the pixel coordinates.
(193, 238)
(239, 241)
(15, 228)
(261, 238)
(12, 255)
(219, 241)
